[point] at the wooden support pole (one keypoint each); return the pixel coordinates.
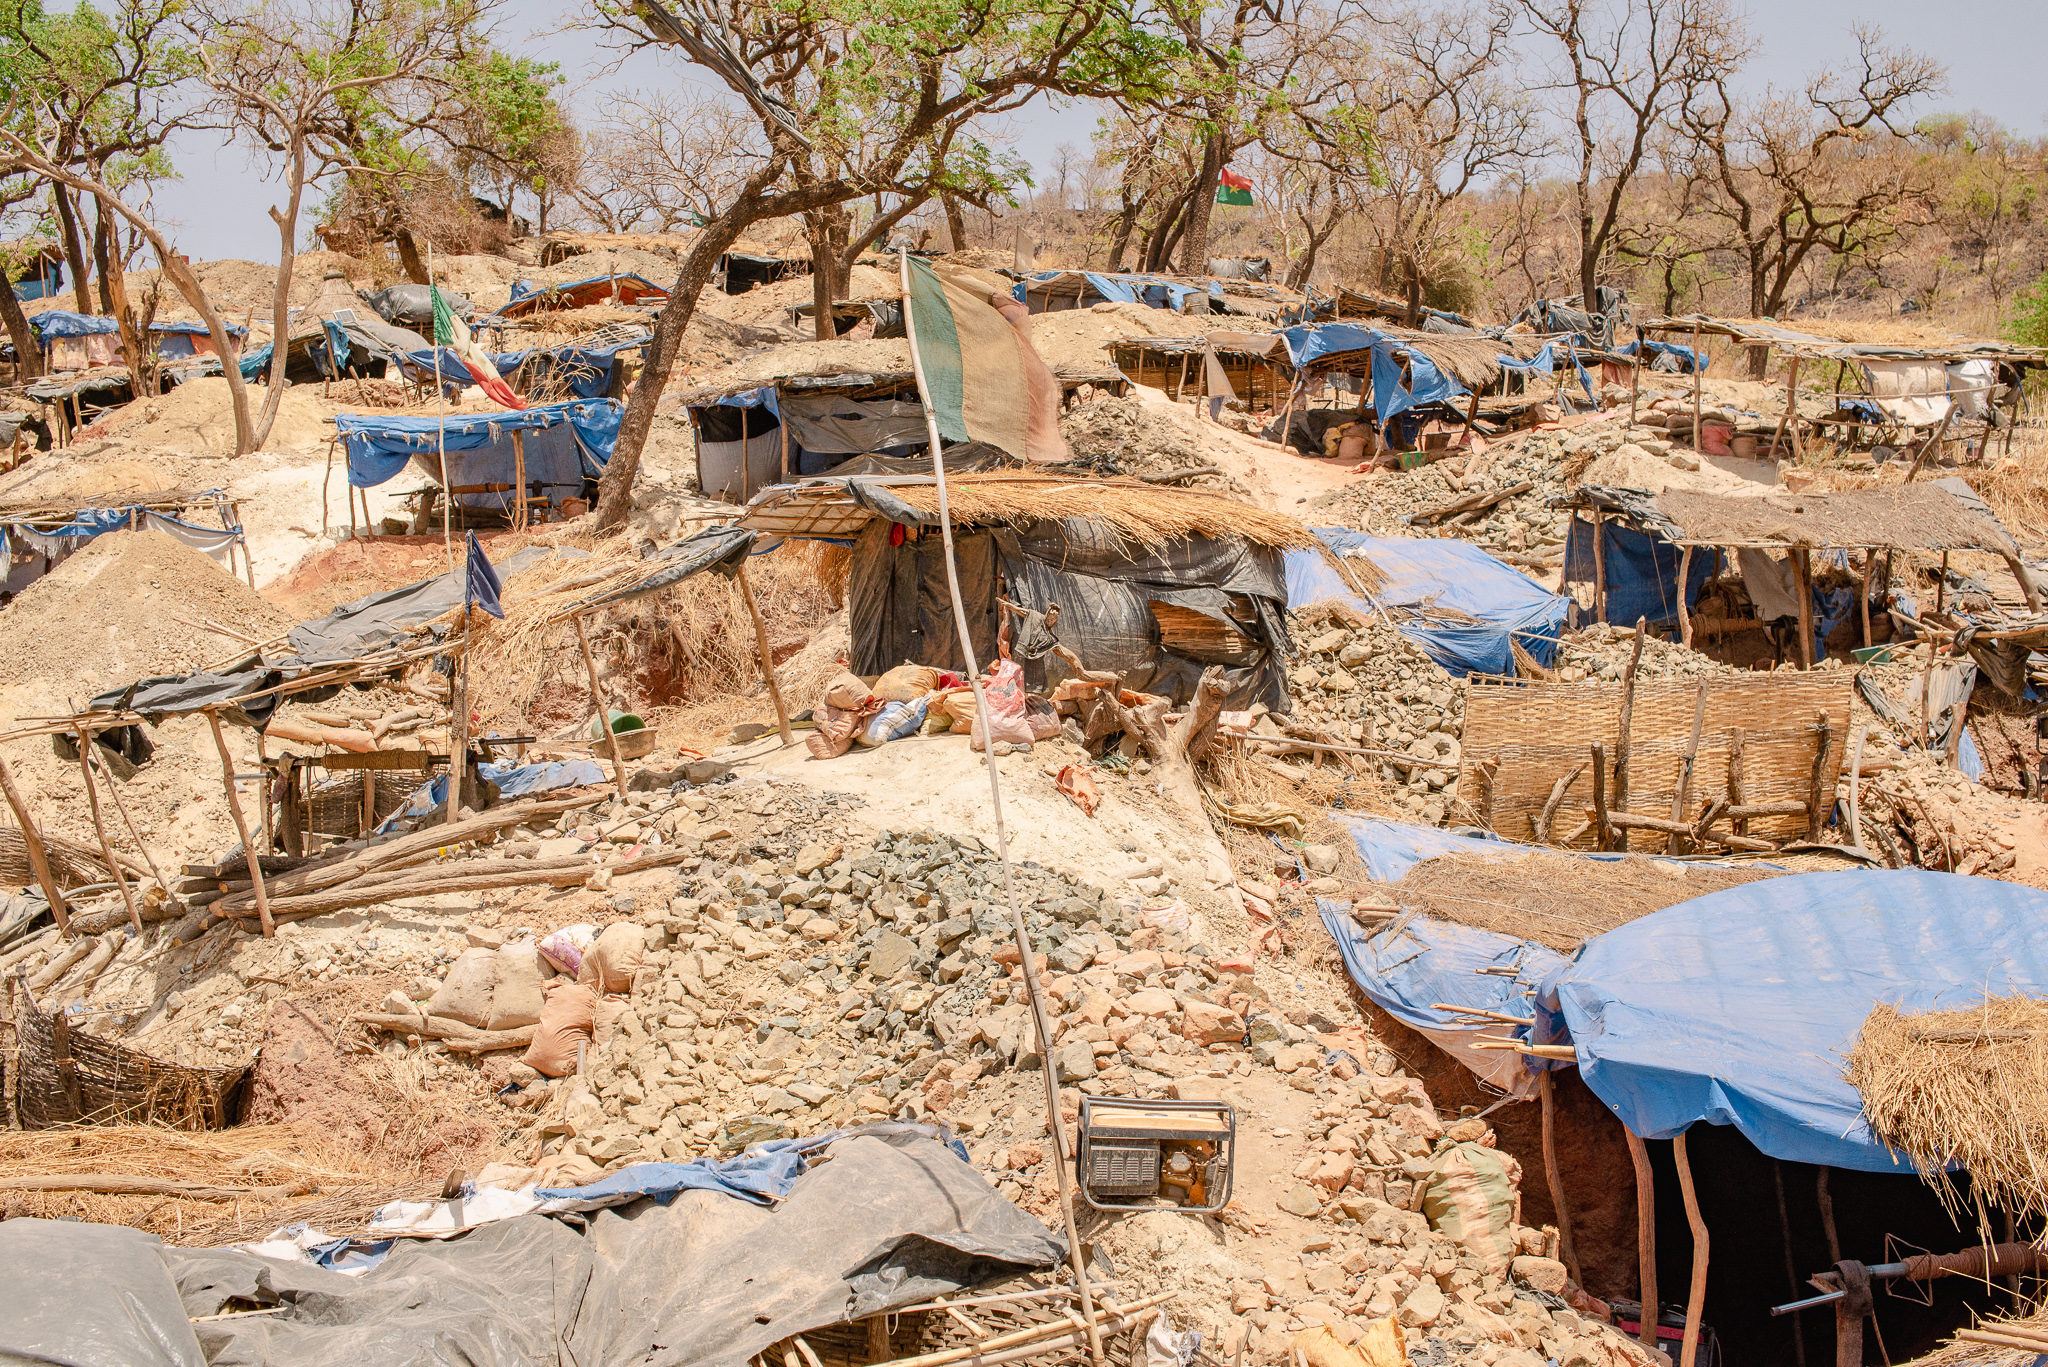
(1696, 1296)
(1802, 585)
(1863, 594)
(1791, 414)
(1554, 1173)
(99, 829)
(1599, 567)
(1941, 586)
(1927, 698)
(1819, 803)
(1606, 827)
(1551, 803)
(518, 480)
(1646, 1238)
(1684, 611)
(114, 791)
(38, 857)
(2028, 590)
(604, 719)
(255, 857)
(458, 726)
(1623, 727)
(1682, 796)
(1855, 766)
(782, 428)
(1699, 442)
(767, 660)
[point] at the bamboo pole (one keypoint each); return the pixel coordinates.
(1600, 813)
(604, 720)
(1696, 1296)
(38, 858)
(1682, 795)
(1646, 1238)
(99, 829)
(1554, 1173)
(1028, 967)
(1790, 415)
(767, 660)
(518, 480)
(1684, 611)
(227, 765)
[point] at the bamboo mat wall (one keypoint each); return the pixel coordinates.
(1776, 714)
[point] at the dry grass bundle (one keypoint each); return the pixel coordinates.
(2017, 489)
(1241, 777)
(348, 1186)
(1141, 513)
(1963, 1090)
(1558, 900)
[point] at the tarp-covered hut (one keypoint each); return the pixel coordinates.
(555, 451)
(1156, 584)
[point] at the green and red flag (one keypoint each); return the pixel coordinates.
(453, 333)
(983, 379)
(1232, 188)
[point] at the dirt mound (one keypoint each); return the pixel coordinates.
(1076, 337)
(111, 614)
(348, 570)
(199, 417)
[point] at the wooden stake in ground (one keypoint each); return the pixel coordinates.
(1735, 745)
(1600, 814)
(458, 725)
(1599, 568)
(1623, 725)
(1684, 587)
(767, 660)
(1545, 1085)
(99, 828)
(38, 858)
(1677, 843)
(1696, 1296)
(604, 715)
(1802, 586)
(1790, 417)
(1699, 441)
(114, 791)
(1646, 1238)
(1819, 803)
(227, 765)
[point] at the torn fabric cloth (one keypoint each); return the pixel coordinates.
(1911, 392)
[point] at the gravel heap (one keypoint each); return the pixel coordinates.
(1938, 819)
(1371, 686)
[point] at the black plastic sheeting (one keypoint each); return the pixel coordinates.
(84, 1295)
(721, 550)
(708, 1279)
(1597, 327)
(901, 608)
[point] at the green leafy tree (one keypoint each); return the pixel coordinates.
(2028, 325)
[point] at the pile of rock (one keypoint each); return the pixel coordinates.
(1371, 686)
(1601, 652)
(1941, 820)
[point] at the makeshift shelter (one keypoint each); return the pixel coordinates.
(1249, 366)
(1905, 376)
(1466, 609)
(1050, 291)
(37, 535)
(549, 454)
(804, 410)
(1400, 371)
(1155, 584)
(1636, 548)
(737, 272)
(557, 247)
(1355, 303)
(1737, 1007)
(77, 341)
(36, 269)
(627, 288)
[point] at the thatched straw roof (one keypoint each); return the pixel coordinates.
(1918, 517)
(1144, 514)
(1966, 1089)
(1847, 340)
(1558, 900)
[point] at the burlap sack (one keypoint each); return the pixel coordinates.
(567, 1018)
(615, 958)
(906, 683)
(1471, 1198)
(516, 999)
(465, 994)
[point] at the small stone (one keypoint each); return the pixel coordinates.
(1300, 1199)
(1322, 859)
(481, 937)
(1423, 1307)
(1075, 1062)
(1540, 1274)
(892, 953)
(565, 847)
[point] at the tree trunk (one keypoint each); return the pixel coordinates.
(74, 253)
(28, 357)
(615, 490)
(824, 326)
(956, 222)
(281, 295)
(1412, 269)
(102, 250)
(1194, 255)
(409, 258)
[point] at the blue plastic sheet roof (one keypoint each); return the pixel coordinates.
(1420, 573)
(1739, 1008)
(1153, 291)
(62, 323)
(380, 447)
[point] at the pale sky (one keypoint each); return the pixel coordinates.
(1992, 49)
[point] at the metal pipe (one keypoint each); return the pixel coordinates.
(2005, 1260)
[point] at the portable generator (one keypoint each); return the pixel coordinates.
(1153, 1155)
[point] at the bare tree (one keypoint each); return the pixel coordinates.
(1626, 70)
(288, 77)
(1816, 172)
(665, 159)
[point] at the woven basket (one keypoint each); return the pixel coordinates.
(68, 1077)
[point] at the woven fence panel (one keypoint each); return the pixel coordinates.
(69, 1077)
(1539, 732)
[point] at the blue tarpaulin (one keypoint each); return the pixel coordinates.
(62, 323)
(1399, 383)
(1423, 573)
(565, 443)
(1739, 1008)
(1391, 848)
(1544, 362)
(1150, 290)
(1685, 357)
(1642, 571)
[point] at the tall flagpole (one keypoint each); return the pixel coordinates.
(440, 412)
(1054, 1128)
